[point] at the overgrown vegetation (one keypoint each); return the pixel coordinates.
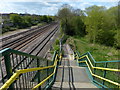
(97, 30)
(101, 24)
(99, 52)
(71, 22)
(98, 24)
(25, 21)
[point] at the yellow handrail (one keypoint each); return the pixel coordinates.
(18, 72)
(47, 77)
(115, 83)
(109, 69)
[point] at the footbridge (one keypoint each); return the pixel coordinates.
(67, 69)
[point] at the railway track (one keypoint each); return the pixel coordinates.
(25, 38)
(31, 44)
(22, 33)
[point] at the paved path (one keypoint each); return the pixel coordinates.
(71, 76)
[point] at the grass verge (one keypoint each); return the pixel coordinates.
(100, 53)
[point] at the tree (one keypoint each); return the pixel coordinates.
(44, 18)
(71, 21)
(94, 21)
(16, 19)
(49, 19)
(102, 24)
(27, 21)
(117, 39)
(118, 22)
(64, 14)
(78, 26)
(106, 37)
(112, 13)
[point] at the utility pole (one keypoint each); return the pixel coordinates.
(1, 23)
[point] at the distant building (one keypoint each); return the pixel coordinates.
(5, 15)
(25, 14)
(5, 19)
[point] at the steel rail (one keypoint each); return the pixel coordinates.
(21, 33)
(49, 36)
(24, 38)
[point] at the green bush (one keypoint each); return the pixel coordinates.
(64, 39)
(17, 20)
(5, 29)
(106, 37)
(117, 39)
(12, 29)
(73, 26)
(56, 47)
(67, 27)
(57, 42)
(78, 26)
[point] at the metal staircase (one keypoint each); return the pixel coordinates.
(22, 70)
(70, 75)
(100, 72)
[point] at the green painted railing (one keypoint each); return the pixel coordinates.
(105, 74)
(13, 60)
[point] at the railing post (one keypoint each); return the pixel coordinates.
(54, 76)
(38, 65)
(60, 45)
(8, 67)
(75, 56)
(53, 58)
(47, 74)
(60, 50)
(104, 74)
(94, 70)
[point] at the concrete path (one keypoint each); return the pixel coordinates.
(71, 76)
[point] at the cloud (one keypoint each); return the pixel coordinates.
(7, 7)
(29, 7)
(85, 5)
(43, 7)
(61, 0)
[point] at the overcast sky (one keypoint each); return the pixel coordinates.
(49, 7)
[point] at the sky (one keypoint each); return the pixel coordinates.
(49, 7)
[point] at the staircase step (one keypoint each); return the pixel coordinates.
(69, 75)
(77, 85)
(65, 62)
(73, 63)
(84, 85)
(58, 85)
(79, 74)
(62, 75)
